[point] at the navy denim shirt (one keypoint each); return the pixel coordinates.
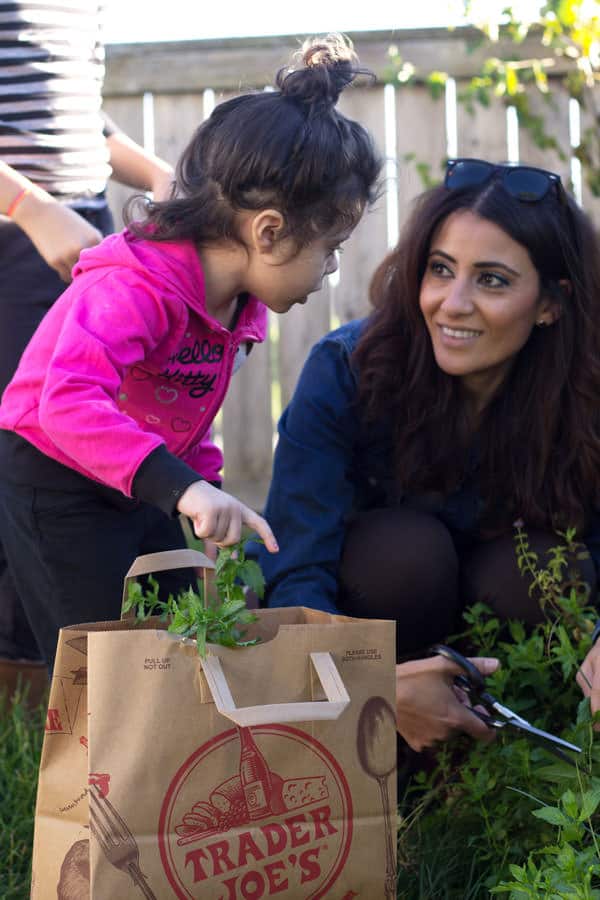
(328, 467)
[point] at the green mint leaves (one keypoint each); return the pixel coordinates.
(215, 620)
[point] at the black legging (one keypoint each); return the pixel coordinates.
(403, 564)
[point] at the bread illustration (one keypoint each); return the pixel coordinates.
(227, 794)
(74, 879)
(206, 811)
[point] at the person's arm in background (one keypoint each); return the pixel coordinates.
(137, 168)
(58, 233)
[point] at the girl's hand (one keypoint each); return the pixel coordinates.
(588, 679)
(427, 706)
(219, 517)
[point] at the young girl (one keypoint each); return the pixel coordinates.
(106, 421)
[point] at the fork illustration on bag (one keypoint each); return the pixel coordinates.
(116, 840)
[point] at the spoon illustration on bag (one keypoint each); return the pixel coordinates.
(376, 745)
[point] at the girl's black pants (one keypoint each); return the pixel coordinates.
(68, 554)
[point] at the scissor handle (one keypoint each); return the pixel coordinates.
(472, 672)
(482, 703)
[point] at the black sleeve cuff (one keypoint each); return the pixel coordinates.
(161, 480)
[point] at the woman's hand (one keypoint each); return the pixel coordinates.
(427, 705)
(588, 679)
(219, 517)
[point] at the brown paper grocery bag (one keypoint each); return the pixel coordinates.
(258, 771)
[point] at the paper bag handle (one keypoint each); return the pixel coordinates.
(161, 562)
(332, 708)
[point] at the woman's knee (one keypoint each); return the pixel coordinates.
(490, 574)
(400, 563)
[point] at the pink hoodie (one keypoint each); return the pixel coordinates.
(128, 359)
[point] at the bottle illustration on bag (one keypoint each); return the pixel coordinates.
(255, 777)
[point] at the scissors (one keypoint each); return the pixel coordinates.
(472, 682)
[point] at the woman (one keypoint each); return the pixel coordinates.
(468, 399)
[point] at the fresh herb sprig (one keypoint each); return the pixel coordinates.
(216, 620)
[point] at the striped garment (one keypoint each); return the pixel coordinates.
(51, 74)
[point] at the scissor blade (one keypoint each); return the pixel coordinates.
(511, 718)
(523, 725)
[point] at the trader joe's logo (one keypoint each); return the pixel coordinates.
(255, 812)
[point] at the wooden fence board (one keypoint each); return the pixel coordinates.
(247, 429)
(420, 140)
(176, 117)
(589, 119)
(299, 329)
(368, 244)
(482, 132)
(555, 110)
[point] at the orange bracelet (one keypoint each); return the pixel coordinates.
(20, 196)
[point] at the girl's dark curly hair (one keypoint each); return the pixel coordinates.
(538, 442)
(289, 149)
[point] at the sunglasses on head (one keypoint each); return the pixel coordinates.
(524, 183)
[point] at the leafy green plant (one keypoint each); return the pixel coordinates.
(220, 619)
(564, 36)
(21, 735)
(508, 817)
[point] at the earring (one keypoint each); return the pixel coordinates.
(541, 323)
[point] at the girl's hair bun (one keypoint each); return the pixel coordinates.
(327, 65)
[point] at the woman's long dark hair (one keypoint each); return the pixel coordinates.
(290, 149)
(538, 443)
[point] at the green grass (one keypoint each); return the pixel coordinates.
(21, 736)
